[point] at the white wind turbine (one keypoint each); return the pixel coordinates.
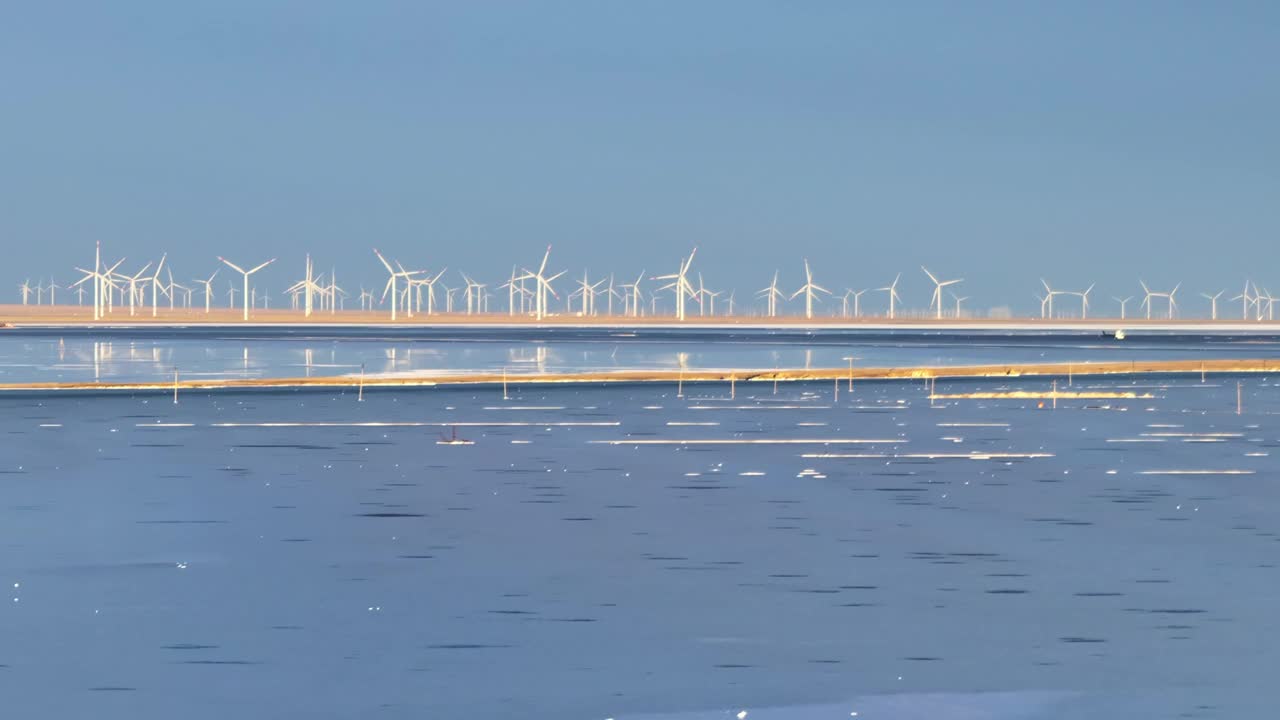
(208, 290)
(25, 289)
(680, 284)
(1047, 300)
(857, 295)
(416, 284)
(810, 291)
(101, 282)
(391, 283)
(541, 286)
(1170, 296)
(1213, 303)
(892, 289)
(512, 286)
(158, 287)
(631, 298)
(245, 298)
(1246, 300)
(936, 300)
(772, 294)
(133, 281)
(172, 287)
(959, 300)
(309, 286)
(1084, 301)
(1123, 302)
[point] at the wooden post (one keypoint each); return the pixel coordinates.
(850, 388)
(680, 385)
(1202, 372)
(504, 384)
(733, 394)
(175, 384)
(1239, 397)
(1070, 373)
(837, 384)
(360, 391)
(1055, 394)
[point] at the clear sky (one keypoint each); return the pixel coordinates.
(998, 141)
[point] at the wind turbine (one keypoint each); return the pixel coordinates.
(1123, 302)
(632, 297)
(246, 273)
(157, 287)
(542, 285)
(857, 295)
(680, 284)
(101, 281)
(1084, 301)
(1047, 300)
(892, 289)
(133, 288)
(25, 287)
(771, 295)
(208, 290)
(175, 286)
(512, 288)
(958, 301)
(430, 285)
(1146, 300)
(1213, 303)
(309, 287)
(1246, 301)
(936, 301)
(809, 289)
(391, 282)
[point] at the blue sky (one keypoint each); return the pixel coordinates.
(1085, 141)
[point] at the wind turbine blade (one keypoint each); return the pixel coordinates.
(261, 266)
(383, 260)
(234, 266)
(931, 276)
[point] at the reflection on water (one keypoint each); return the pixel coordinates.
(124, 358)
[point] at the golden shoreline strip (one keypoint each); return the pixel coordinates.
(82, 317)
(1012, 371)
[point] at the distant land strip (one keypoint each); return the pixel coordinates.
(79, 317)
(844, 374)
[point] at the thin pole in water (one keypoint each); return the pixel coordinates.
(837, 386)
(1070, 372)
(360, 392)
(1055, 394)
(504, 384)
(1202, 372)
(680, 385)
(175, 384)
(1239, 397)
(733, 392)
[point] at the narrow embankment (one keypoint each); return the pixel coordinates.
(427, 379)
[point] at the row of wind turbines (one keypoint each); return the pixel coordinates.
(529, 293)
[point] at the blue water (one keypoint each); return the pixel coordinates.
(215, 558)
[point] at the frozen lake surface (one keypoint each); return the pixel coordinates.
(621, 552)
